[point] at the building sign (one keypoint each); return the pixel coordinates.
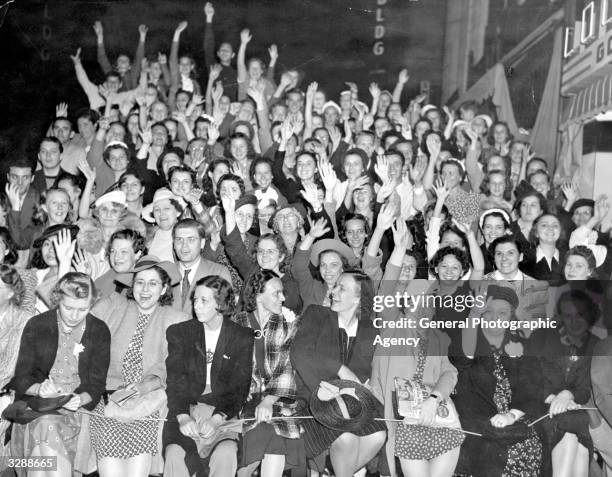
(587, 48)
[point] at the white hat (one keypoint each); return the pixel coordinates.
(116, 143)
(426, 108)
(332, 104)
(460, 122)
(160, 194)
(116, 196)
(486, 118)
(488, 212)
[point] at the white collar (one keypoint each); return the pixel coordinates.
(498, 276)
(540, 255)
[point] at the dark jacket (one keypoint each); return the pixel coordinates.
(186, 366)
(315, 354)
(39, 347)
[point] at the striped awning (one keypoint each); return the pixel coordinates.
(590, 101)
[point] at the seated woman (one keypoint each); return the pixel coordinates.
(124, 249)
(499, 386)
(565, 354)
(274, 444)
(423, 449)
(529, 205)
(206, 388)
(12, 320)
(355, 232)
(287, 223)
(138, 324)
(63, 351)
(493, 223)
(338, 343)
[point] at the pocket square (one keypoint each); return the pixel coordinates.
(226, 357)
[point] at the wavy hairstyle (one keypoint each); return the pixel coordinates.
(167, 297)
(224, 294)
(10, 277)
(255, 286)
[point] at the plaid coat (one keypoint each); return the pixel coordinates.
(277, 377)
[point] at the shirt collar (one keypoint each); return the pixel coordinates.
(540, 255)
(498, 276)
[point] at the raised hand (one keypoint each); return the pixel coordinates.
(352, 86)
(420, 98)
(368, 121)
(433, 145)
(12, 194)
(570, 191)
(441, 189)
(418, 170)
(273, 52)
(602, 207)
(162, 58)
(213, 133)
(385, 191)
(236, 169)
(215, 71)
(88, 172)
(401, 235)
(245, 36)
(312, 89)
(229, 204)
(76, 58)
(311, 195)
(81, 262)
(181, 27)
(381, 168)
(286, 130)
(142, 30)
(104, 123)
(61, 110)
(335, 136)
(374, 90)
(328, 175)
(64, 246)
(318, 228)
(286, 79)
(97, 26)
(403, 76)
(465, 228)
(193, 196)
(209, 10)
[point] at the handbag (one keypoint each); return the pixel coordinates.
(136, 407)
(410, 394)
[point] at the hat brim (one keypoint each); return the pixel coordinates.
(170, 268)
(324, 413)
(74, 230)
(331, 244)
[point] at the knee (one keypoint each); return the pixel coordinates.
(174, 452)
(225, 451)
(379, 437)
(346, 441)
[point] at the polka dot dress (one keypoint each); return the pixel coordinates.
(416, 442)
(113, 438)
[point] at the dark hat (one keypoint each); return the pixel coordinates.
(146, 262)
(344, 405)
(524, 189)
(41, 404)
(582, 203)
(248, 199)
(55, 230)
(331, 244)
(500, 292)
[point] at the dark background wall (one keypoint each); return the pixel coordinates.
(330, 40)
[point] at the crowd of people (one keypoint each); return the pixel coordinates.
(188, 269)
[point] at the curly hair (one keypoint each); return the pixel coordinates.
(181, 168)
(10, 277)
(366, 293)
(74, 285)
(366, 226)
(254, 286)
(584, 252)
(139, 243)
(276, 222)
(229, 177)
(448, 227)
(484, 185)
(285, 263)
(507, 163)
(168, 150)
(590, 306)
(490, 137)
(535, 240)
(11, 249)
(107, 151)
(224, 294)
(459, 254)
(167, 297)
(533, 193)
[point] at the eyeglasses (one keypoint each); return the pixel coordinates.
(188, 240)
(147, 284)
(267, 253)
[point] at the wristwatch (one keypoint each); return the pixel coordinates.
(436, 396)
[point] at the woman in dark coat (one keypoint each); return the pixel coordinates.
(65, 350)
(338, 343)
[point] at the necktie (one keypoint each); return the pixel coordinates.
(185, 287)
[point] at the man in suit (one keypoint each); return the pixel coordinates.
(22, 197)
(601, 423)
(49, 157)
(188, 238)
(209, 365)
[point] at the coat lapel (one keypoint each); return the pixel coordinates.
(220, 353)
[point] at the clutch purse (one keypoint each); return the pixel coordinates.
(41, 404)
(410, 395)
